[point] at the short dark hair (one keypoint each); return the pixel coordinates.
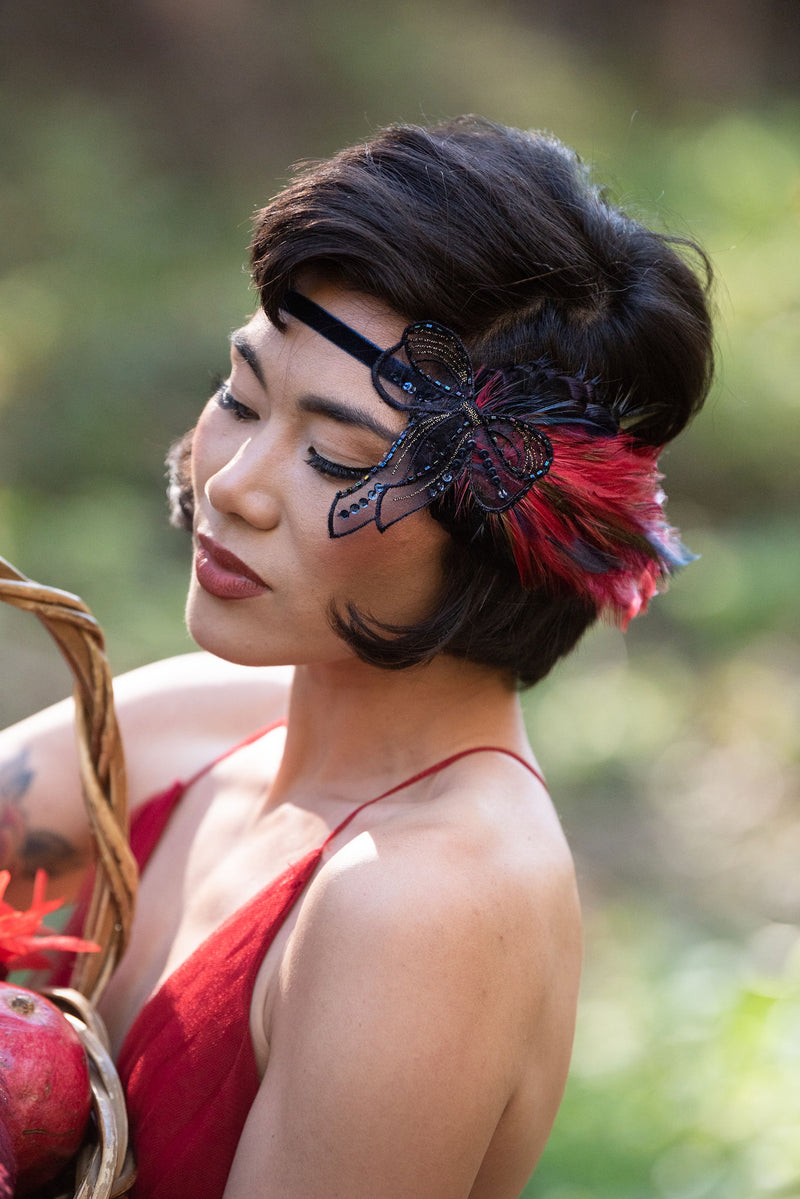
(502, 236)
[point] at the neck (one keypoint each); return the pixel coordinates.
(355, 730)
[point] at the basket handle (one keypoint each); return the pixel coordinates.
(102, 770)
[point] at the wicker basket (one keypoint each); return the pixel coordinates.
(104, 1167)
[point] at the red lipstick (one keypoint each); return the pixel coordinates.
(222, 574)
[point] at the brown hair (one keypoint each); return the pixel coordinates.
(501, 236)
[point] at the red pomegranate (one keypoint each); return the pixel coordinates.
(44, 1080)
(8, 1167)
(44, 1085)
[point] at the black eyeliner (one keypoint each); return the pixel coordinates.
(335, 470)
(226, 401)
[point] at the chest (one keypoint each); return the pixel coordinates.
(218, 850)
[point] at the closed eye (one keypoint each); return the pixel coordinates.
(238, 411)
(334, 470)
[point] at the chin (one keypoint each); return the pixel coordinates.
(236, 650)
(214, 630)
(227, 629)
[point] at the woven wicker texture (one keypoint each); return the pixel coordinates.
(104, 1168)
(102, 767)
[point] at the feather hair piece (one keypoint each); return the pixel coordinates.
(530, 453)
(595, 523)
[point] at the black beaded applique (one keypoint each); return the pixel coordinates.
(448, 440)
(597, 529)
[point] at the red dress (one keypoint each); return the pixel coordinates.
(187, 1063)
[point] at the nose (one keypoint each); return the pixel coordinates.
(247, 485)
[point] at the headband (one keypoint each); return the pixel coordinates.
(527, 450)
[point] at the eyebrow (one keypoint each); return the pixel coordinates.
(316, 404)
(345, 415)
(246, 351)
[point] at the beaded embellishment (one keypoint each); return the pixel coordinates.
(577, 500)
(448, 439)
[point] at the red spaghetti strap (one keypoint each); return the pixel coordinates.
(232, 749)
(415, 778)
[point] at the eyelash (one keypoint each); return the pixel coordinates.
(334, 470)
(226, 401)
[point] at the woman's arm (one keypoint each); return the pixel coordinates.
(416, 1004)
(42, 823)
(174, 716)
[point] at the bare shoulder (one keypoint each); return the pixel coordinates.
(480, 876)
(199, 683)
(179, 713)
(191, 691)
(427, 998)
(175, 717)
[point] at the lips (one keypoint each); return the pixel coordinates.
(222, 574)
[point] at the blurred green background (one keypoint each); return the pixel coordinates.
(136, 139)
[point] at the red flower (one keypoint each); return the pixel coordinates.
(23, 935)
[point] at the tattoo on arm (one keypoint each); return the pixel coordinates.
(16, 777)
(28, 849)
(46, 850)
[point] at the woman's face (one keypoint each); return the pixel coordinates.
(298, 420)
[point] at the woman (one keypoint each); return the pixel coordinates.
(355, 959)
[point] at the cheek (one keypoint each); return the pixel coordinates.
(206, 457)
(199, 465)
(216, 443)
(396, 576)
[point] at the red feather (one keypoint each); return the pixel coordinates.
(596, 524)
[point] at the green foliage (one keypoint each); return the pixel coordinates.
(683, 1083)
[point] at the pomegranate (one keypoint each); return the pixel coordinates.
(44, 1087)
(8, 1167)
